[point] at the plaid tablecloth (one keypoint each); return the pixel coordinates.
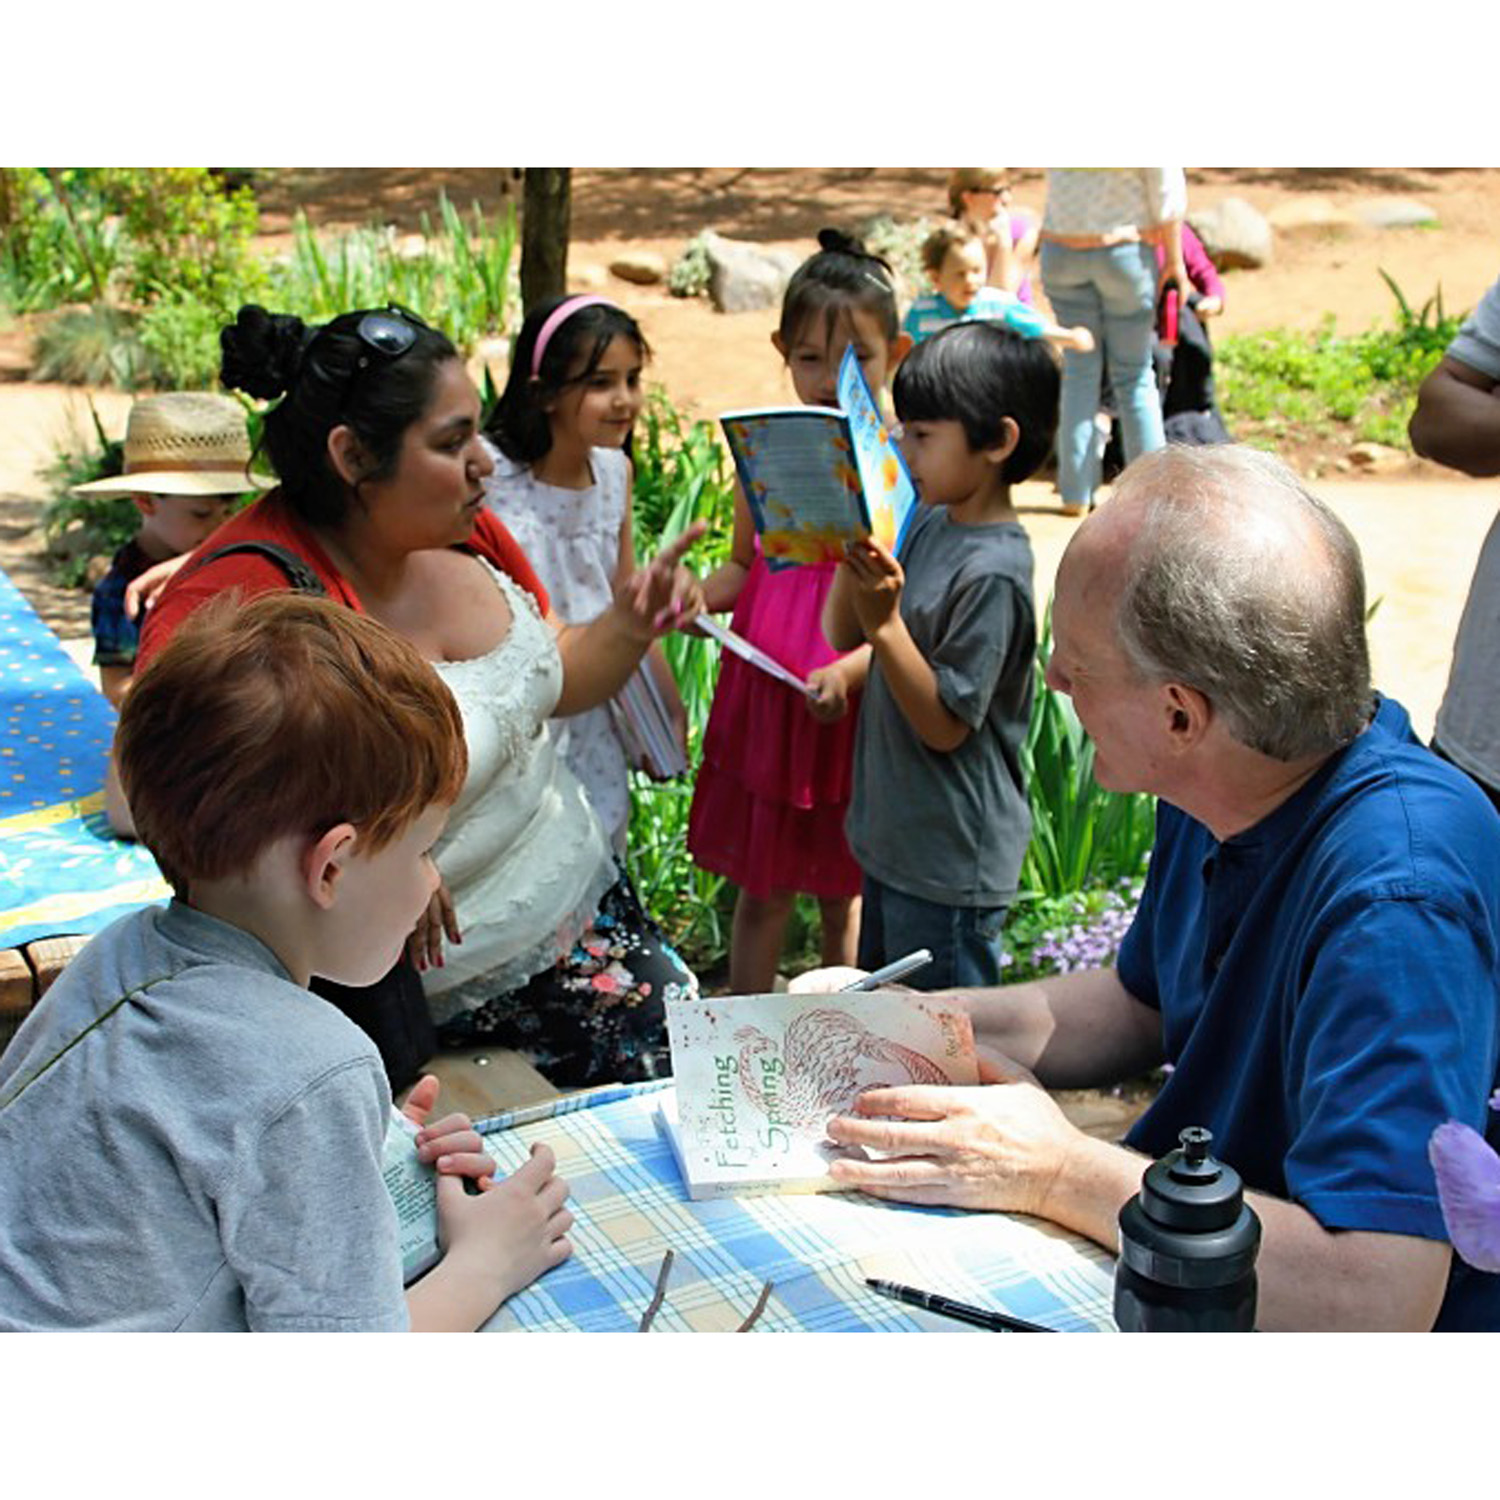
(630, 1208)
(61, 870)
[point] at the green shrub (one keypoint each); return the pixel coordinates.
(92, 524)
(58, 241)
(1283, 385)
(181, 338)
(682, 476)
(690, 272)
(901, 245)
(98, 345)
(463, 280)
(187, 236)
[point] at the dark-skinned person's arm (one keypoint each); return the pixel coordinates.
(1457, 419)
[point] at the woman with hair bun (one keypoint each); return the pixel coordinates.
(535, 939)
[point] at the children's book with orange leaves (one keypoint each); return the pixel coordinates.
(816, 478)
(758, 1077)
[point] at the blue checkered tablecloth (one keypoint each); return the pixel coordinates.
(61, 870)
(630, 1207)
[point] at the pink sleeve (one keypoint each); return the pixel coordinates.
(1200, 268)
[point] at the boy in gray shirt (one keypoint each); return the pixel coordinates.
(939, 820)
(290, 764)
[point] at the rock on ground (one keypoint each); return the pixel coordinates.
(1236, 235)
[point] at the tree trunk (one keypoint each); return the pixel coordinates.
(545, 214)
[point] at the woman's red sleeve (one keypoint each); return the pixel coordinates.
(494, 541)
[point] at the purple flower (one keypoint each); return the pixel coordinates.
(1468, 1181)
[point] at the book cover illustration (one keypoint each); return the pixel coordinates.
(890, 495)
(817, 477)
(759, 1076)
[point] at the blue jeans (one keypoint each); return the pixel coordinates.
(1112, 293)
(965, 940)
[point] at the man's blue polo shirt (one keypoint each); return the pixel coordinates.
(1329, 982)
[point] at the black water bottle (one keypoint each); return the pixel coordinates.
(1188, 1242)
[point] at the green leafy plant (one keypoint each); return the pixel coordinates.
(463, 279)
(59, 243)
(180, 335)
(900, 244)
(682, 476)
(1282, 385)
(188, 236)
(78, 527)
(98, 345)
(690, 272)
(1081, 835)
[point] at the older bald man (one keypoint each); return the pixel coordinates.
(1317, 952)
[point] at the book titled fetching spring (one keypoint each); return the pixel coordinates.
(758, 1077)
(816, 477)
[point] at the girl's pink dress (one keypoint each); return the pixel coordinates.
(768, 809)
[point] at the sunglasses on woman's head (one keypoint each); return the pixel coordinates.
(390, 332)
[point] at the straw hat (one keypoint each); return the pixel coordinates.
(183, 443)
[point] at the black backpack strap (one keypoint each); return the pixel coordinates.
(299, 573)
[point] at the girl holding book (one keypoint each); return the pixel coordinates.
(561, 484)
(773, 790)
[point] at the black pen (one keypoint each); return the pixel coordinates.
(981, 1317)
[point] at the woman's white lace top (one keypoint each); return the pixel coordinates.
(524, 855)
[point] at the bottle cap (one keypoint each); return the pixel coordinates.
(1189, 1226)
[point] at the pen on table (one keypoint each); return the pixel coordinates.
(892, 972)
(981, 1317)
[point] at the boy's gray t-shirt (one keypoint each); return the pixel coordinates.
(952, 827)
(208, 1156)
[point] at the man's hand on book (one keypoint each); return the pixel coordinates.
(451, 1146)
(1003, 1145)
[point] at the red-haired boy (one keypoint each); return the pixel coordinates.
(290, 764)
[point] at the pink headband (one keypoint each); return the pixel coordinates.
(555, 319)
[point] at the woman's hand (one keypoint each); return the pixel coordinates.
(663, 595)
(143, 590)
(425, 945)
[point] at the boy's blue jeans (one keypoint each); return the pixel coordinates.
(965, 940)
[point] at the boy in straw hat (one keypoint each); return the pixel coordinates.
(187, 458)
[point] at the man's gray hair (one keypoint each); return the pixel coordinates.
(1221, 595)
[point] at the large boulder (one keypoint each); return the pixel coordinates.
(1234, 233)
(743, 277)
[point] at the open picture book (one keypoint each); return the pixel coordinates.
(413, 1189)
(759, 1076)
(816, 477)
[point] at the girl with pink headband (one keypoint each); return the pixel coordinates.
(562, 485)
